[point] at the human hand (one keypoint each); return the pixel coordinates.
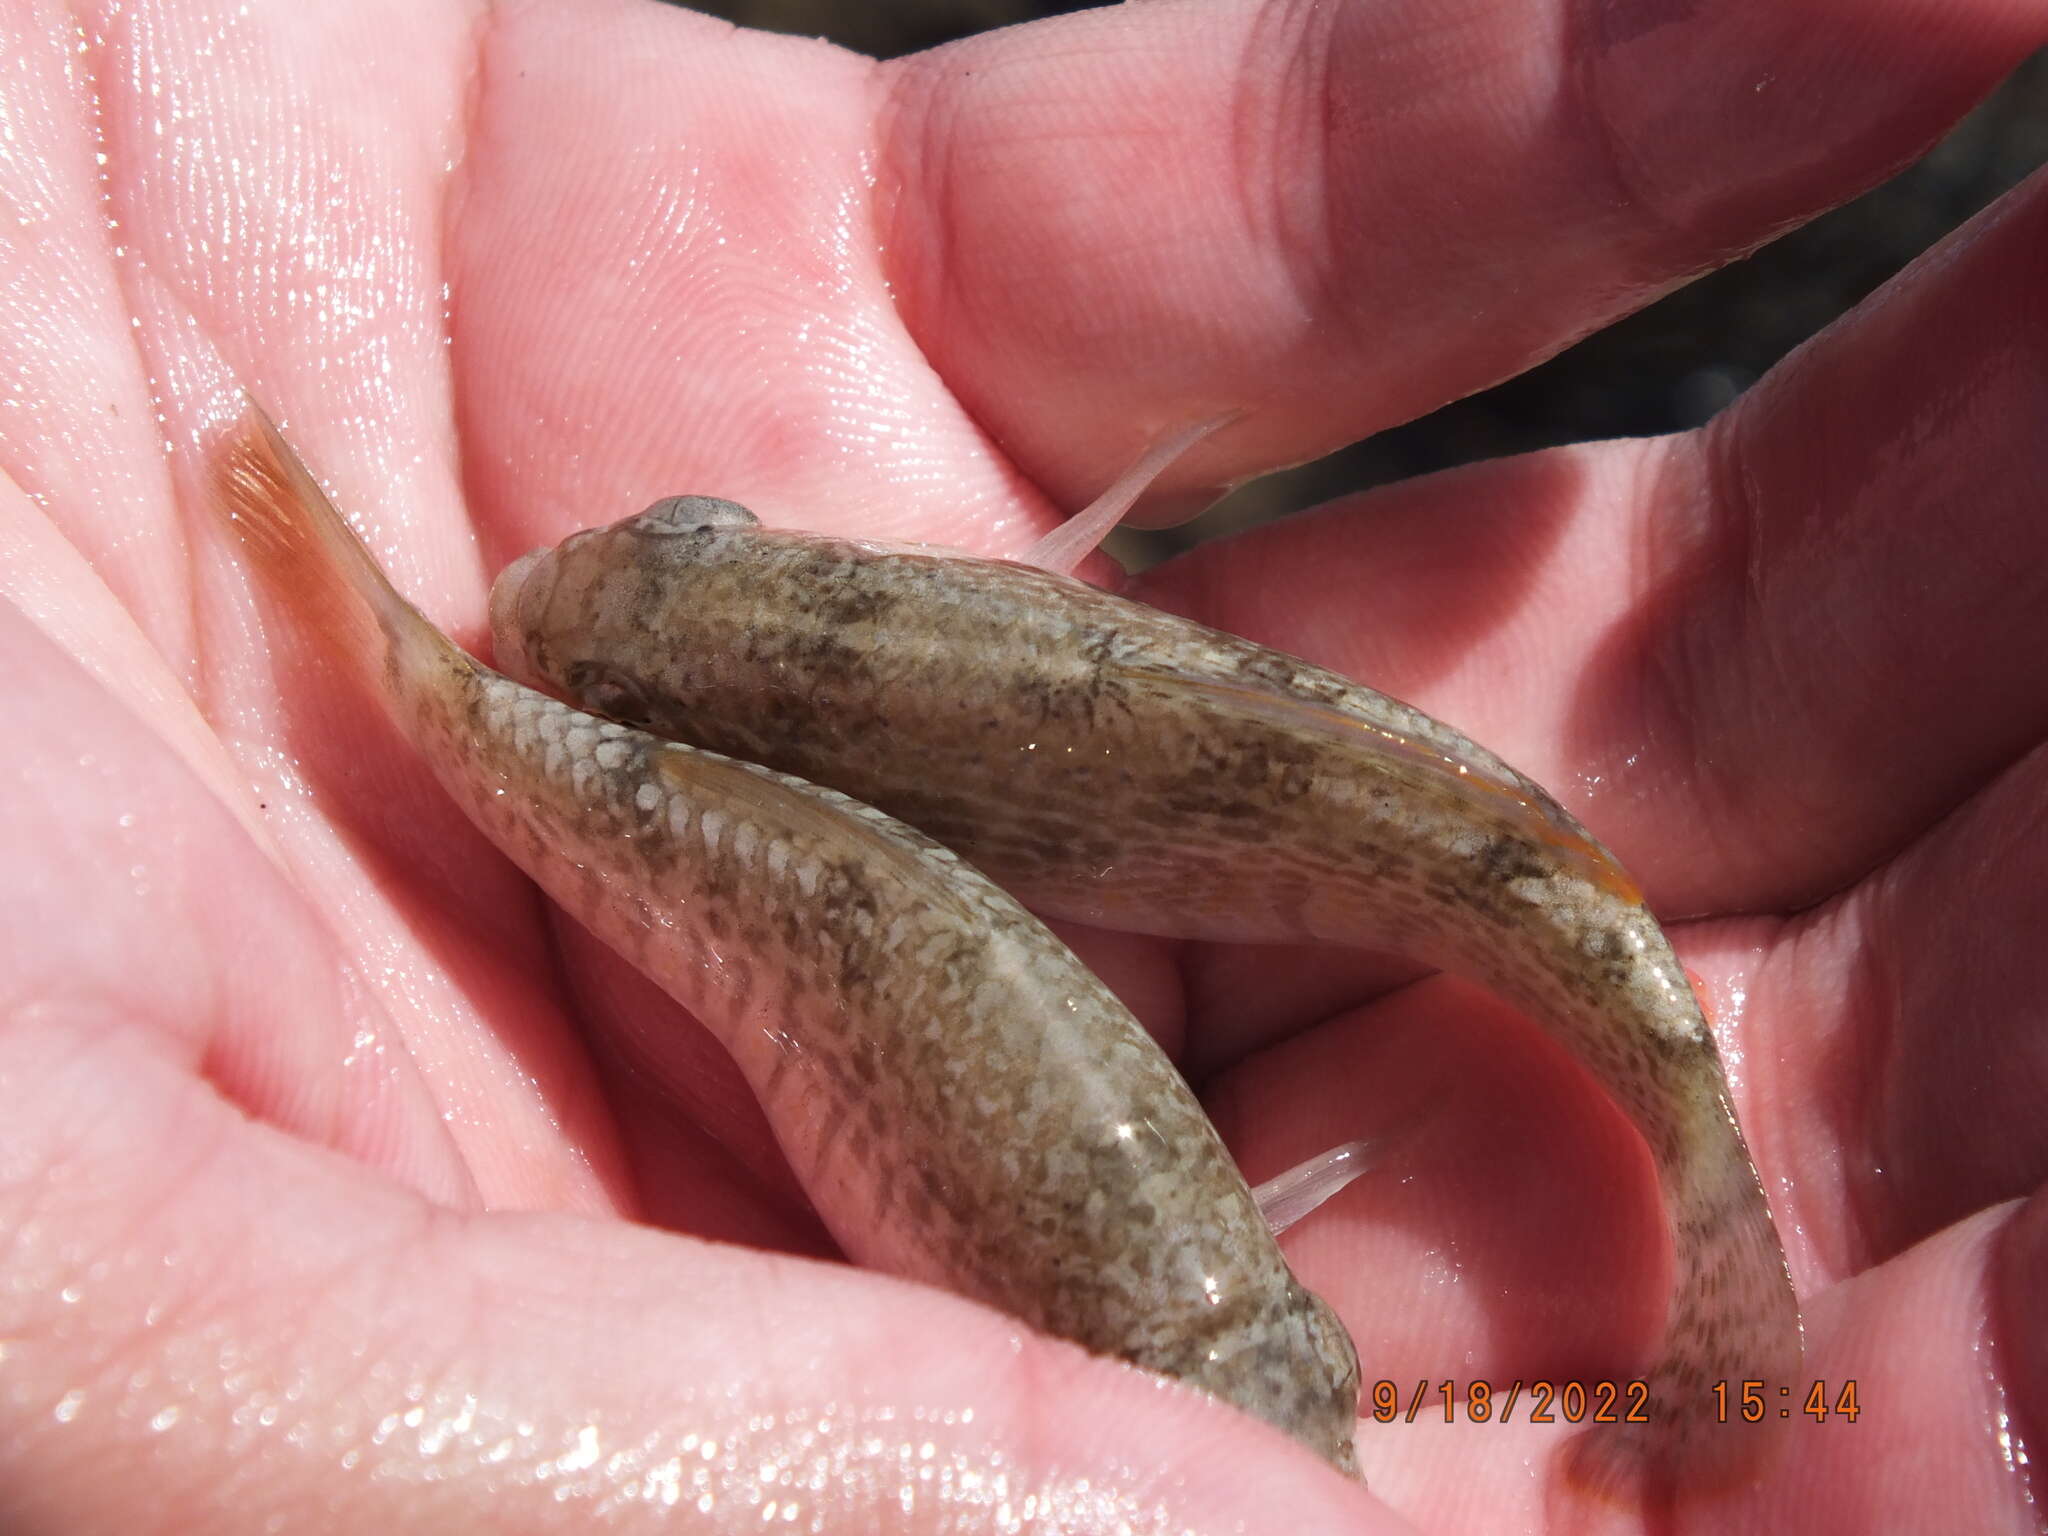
(330, 1158)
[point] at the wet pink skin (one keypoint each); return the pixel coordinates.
(341, 1184)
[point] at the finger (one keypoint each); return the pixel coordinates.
(212, 1326)
(1930, 1443)
(666, 281)
(77, 433)
(1342, 216)
(1902, 1035)
(1895, 1423)
(1508, 1223)
(2018, 1277)
(1859, 577)
(1755, 661)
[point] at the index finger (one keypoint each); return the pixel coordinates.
(1345, 215)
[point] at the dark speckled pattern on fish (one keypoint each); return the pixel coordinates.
(1113, 764)
(964, 1102)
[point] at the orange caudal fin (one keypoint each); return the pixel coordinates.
(1684, 1459)
(264, 494)
(1712, 1412)
(1077, 538)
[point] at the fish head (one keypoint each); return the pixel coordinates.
(674, 516)
(561, 579)
(574, 619)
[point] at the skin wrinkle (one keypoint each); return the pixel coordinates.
(386, 1276)
(909, 90)
(1677, 659)
(454, 196)
(2019, 1358)
(396, 1266)
(183, 651)
(1873, 910)
(1611, 158)
(91, 127)
(1770, 672)
(1285, 119)
(1999, 1062)
(1737, 565)
(83, 1042)
(1666, 651)
(201, 1146)
(933, 286)
(897, 89)
(1839, 1091)
(1878, 1106)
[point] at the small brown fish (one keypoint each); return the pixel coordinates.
(963, 1101)
(1116, 765)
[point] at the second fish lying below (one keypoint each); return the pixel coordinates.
(1113, 764)
(962, 1100)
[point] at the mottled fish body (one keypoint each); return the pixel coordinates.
(963, 1101)
(1113, 764)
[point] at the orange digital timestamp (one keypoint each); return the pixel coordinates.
(1752, 1402)
(1538, 1402)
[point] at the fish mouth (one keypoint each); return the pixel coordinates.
(508, 644)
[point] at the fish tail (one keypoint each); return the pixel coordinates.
(265, 494)
(1738, 1326)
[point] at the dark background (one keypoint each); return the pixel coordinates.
(1668, 367)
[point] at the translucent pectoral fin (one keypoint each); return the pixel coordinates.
(1076, 539)
(1287, 1197)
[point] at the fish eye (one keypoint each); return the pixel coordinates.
(607, 691)
(674, 515)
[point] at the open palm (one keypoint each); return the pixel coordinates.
(333, 1168)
